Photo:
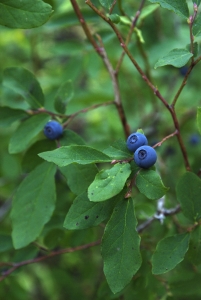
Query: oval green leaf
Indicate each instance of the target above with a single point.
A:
(188, 194)
(109, 183)
(179, 7)
(169, 252)
(26, 131)
(121, 246)
(33, 204)
(74, 154)
(23, 82)
(176, 57)
(150, 184)
(84, 213)
(24, 14)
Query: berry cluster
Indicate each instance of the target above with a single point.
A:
(53, 130)
(144, 156)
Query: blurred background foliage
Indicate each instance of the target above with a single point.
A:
(59, 51)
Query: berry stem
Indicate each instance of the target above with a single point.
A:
(166, 138)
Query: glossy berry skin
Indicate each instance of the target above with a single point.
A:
(53, 130)
(135, 140)
(145, 157)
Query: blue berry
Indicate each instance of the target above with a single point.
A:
(194, 139)
(145, 157)
(53, 130)
(135, 140)
(183, 70)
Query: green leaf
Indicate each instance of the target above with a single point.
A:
(33, 205)
(150, 184)
(147, 10)
(24, 13)
(179, 7)
(9, 116)
(84, 213)
(31, 158)
(26, 131)
(63, 96)
(75, 154)
(118, 150)
(121, 246)
(188, 194)
(199, 118)
(169, 252)
(195, 246)
(109, 183)
(69, 137)
(24, 83)
(106, 3)
(176, 57)
(79, 177)
(197, 26)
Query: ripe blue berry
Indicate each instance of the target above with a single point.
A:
(135, 140)
(145, 157)
(53, 130)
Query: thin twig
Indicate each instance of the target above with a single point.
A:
(15, 266)
(149, 83)
(112, 7)
(114, 78)
(123, 45)
(133, 24)
(165, 138)
(166, 213)
(182, 85)
(190, 22)
(72, 116)
(193, 63)
(42, 110)
(84, 26)
(101, 51)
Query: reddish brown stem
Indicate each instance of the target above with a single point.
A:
(16, 266)
(133, 24)
(149, 83)
(166, 138)
(101, 51)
